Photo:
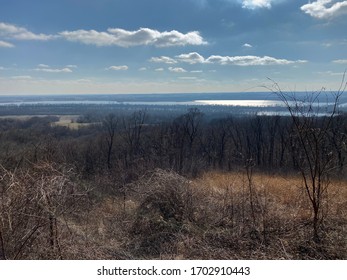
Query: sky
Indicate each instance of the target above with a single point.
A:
(170, 46)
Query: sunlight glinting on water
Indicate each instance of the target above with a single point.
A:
(243, 103)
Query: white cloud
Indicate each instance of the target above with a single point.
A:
(177, 70)
(71, 66)
(250, 60)
(43, 66)
(118, 68)
(191, 58)
(340, 61)
(159, 70)
(21, 77)
(124, 38)
(52, 70)
(4, 44)
(247, 45)
(325, 8)
(110, 37)
(163, 59)
(20, 33)
(90, 37)
(253, 4)
(143, 69)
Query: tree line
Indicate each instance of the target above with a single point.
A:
(188, 144)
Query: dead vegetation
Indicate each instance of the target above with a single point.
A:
(34, 206)
(47, 215)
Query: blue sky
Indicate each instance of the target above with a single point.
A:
(169, 46)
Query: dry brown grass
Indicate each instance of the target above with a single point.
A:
(169, 217)
(281, 227)
(217, 216)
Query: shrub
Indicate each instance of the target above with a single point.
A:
(165, 211)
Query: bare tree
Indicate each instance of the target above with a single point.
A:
(311, 134)
(191, 127)
(110, 123)
(133, 128)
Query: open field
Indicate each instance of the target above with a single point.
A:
(69, 121)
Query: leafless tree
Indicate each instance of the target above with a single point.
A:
(133, 128)
(311, 135)
(110, 123)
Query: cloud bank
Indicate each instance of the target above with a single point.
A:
(111, 37)
(248, 60)
(124, 38)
